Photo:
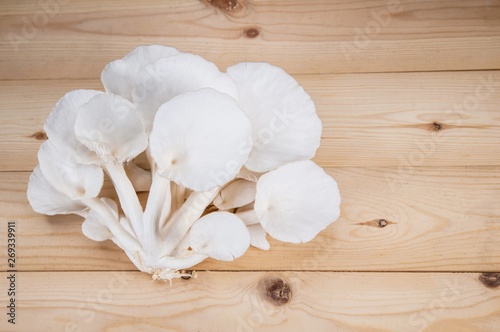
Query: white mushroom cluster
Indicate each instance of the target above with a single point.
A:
(228, 153)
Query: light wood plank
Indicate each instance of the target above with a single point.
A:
(223, 301)
(438, 219)
(78, 39)
(368, 119)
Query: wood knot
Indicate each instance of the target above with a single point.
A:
(436, 126)
(227, 6)
(276, 290)
(251, 33)
(187, 274)
(40, 135)
(490, 279)
(382, 223)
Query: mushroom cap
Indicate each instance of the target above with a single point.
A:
(286, 127)
(220, 235)
(44, 198)
(200, 139)
(110, 126)
(122, 76)
(296, 201)
(60, 123)
(236, 194)
(258, 237)
(172, 76)
(93, 228)
(77, 181)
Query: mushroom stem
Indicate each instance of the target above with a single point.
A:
(180, 192)
(107, 218)
(171, 205)
(128, 198)
(140, 178)
(249, 217)
(158, 204)
(176, 263)
(182, 248)
(152, 163)
(130, 254)
(183, 218)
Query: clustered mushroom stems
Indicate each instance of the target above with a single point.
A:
(215, 186)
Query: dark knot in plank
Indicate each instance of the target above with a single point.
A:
(276, 290)
(186, 274)
(490, 279)
(40, 135)
(382, 223)
(226, 6)
(436, 126)
(251, 33)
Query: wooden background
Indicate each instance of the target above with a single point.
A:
(409, 96)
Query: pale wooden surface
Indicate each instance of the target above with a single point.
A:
(234, 301)
(300, 36)
(411, 133)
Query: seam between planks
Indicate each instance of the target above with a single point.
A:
(256, 271)
(290, 73)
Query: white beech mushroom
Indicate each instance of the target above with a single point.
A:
(219, 235)
(46, 199)
(77, 181)
(194, 151)
(59, 126)
(286, 127)
(121, 76)
(172, 76)
(217, 143)
(110, 126)
(55, 195)
(295, 202)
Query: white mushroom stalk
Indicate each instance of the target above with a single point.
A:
(228, 156)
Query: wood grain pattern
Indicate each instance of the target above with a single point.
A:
(389, 119)
(76, 40)
(240, 301)
(409, 96)
(445, 219)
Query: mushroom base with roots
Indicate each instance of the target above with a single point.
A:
(215, 188)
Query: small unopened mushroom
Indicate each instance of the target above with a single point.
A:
(219, 235)
(296, 201)
(286, 127)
